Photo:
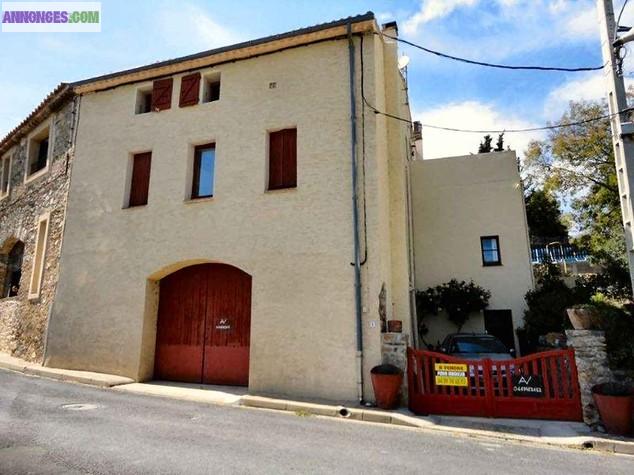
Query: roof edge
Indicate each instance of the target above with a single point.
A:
(50, 103)
(238, 51)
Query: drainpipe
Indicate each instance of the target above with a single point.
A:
(355, 218)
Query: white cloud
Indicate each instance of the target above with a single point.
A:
(190, 28)
(511, 28)
(592, 87)
(583, 24)
(470, 115)
(431, 10)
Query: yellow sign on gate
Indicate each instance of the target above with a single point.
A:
(449, 374)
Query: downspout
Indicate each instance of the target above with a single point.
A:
(355, 218)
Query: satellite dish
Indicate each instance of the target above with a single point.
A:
(403, 61)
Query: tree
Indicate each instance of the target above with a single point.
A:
(578, 162)
(485, 145)
(499, 145)
(544, 216)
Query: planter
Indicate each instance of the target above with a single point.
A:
(394, 326)
(581, 318)
(614, 402)
(386, 381)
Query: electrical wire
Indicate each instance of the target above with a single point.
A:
(492, 65)
(499, 131)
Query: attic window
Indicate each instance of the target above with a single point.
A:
(211, 88)
(143, 101)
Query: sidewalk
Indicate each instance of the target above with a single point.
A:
(553, 433)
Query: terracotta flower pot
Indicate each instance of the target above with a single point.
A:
(386, 381)
(581, 318)
(394, 326)
(615, 408)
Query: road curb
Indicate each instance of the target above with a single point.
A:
(385, 417)
(82, 377)
(598, 443)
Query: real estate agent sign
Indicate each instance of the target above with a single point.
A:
(525, 385)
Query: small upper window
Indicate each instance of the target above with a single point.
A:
(5, 170)
(144, 101)
(490, 246)
(203, 176)
(211, 89)
(38, 152)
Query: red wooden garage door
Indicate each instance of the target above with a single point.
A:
(204, 320)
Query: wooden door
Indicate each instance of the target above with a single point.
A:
(228, 323)
(203, 326)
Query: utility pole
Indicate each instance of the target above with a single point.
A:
(622, 127)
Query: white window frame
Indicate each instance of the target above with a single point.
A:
(8, 157)
(39, 258)
(51, 139)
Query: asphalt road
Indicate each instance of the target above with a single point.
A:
(127, 433)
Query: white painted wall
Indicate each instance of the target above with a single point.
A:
(296, 244)
(456, 200)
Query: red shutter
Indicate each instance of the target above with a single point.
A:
(289, 170)
(190, 89)
(140, 183)
(283, 159)
(162, 94)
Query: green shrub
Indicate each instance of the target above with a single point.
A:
(457, 299)
(547, 303)
(618, 325)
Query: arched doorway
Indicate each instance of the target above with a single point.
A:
(203, 325)
(13, 270)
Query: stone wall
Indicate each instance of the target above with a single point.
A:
(592, 365)
(23, 321)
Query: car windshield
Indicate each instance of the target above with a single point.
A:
(474, 344)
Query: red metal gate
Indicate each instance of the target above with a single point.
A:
(540, 386)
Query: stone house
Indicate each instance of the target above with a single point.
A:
(237, 216)
(35, 161)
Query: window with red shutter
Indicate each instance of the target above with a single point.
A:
(140, 181)
(283, 159)
(162, 94)
(190, 90)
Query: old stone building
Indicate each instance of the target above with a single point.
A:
(36, 159)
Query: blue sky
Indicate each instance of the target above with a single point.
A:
(545, 32)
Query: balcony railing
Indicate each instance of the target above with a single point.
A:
(566, 253)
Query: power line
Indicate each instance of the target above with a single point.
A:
(493, 65)
(499, 131)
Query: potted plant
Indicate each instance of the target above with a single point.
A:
(386, 381)
(582, 317)
(614, 402)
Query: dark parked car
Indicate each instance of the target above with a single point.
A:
(475, 346)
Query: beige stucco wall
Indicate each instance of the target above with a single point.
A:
(296, 244)
(456, 200)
